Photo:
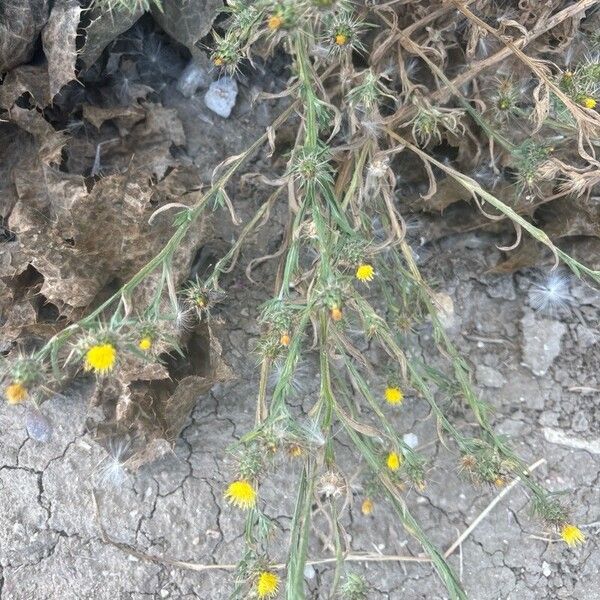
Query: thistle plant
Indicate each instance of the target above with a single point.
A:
(347, 274)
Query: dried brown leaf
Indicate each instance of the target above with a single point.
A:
(27, 79)
(124, 117)
(187, 21)
(570, 216)
(147, 138)
(20, 24)
(58, 39)
(104, 27)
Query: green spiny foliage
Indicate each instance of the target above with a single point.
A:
(347, 271)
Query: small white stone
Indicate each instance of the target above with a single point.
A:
(221, 96)
(411, 440)
(194, 76)
(546, 569)
(309, 572)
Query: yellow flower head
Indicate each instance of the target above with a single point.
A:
(218, 61)
(394, 460)
(275, 22)
(393, 395)
(341, 39)
(367, 506)
(15, 393)
(336, 313)
(588, 102)
(295, 451)
(267, 584)
(285, 339)
(240, 493)
(145, 343)
(365, 272)
(100, 358)
(572, 535)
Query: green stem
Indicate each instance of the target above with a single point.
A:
(410, 524)
(300, 534)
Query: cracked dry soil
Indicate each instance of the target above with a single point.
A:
(52, 545)
(540, 372)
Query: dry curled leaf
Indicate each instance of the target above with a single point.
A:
(27, 79)
(187, 21)
(20, 24)
(104, 27)
(58, 39)
(147, 135)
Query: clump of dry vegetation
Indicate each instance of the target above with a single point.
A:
(490, 102)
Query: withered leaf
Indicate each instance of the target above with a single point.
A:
(147, 147)
(49, 141)
(448, 191)
(124, 117)
(31, 79)
(15, 316)
(569, 216)
(15, 144)
(187, 21)
(527, 254)
(58, 39)
(80, 241)
(20, 24)
(104, 27)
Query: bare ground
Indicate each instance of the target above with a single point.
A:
(52, 545)
(540, 372)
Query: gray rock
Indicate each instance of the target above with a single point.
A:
(586, 336)
(221, 96)
(550, 418)
(580, 421)
(489, 377)
(541, 342)
(585, 294)
(499, 286)
(557, 436)
(193, 77)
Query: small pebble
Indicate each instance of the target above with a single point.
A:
(488, 376)
(38, 426)
(221, 96)
(193, 77)
(411, 440)
(309, 572)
